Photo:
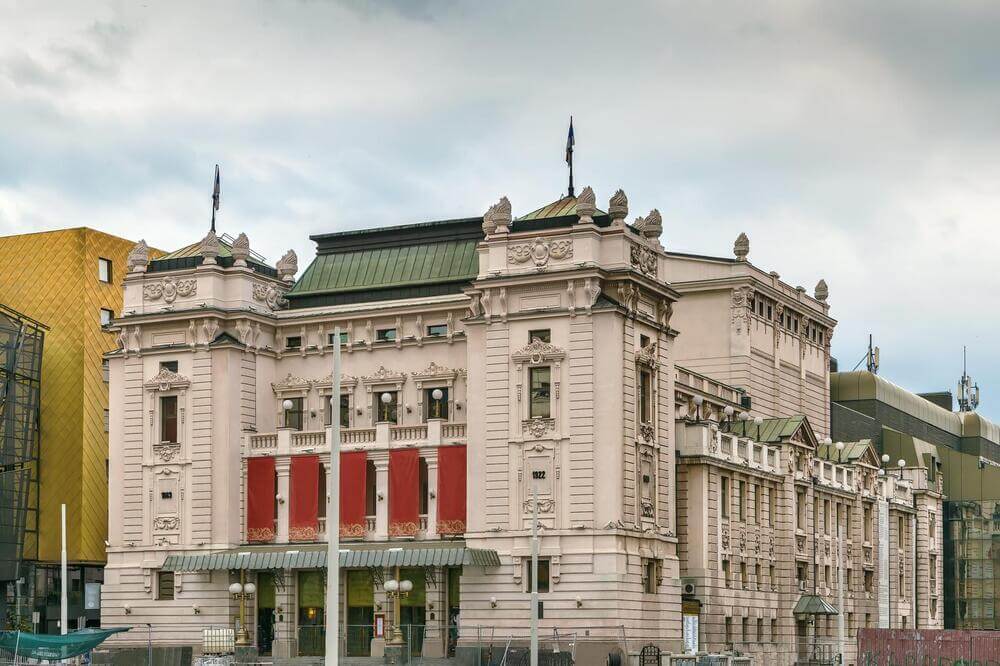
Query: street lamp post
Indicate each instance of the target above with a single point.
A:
(333, 515)
(243, 591)
(396, 589)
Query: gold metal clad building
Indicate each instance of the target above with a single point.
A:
(70, 280)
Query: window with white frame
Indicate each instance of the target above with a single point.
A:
(295, 416)
(345, 410)
(168, 419)
(104, 269)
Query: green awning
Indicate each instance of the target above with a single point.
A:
(813, 604)
(315, 558)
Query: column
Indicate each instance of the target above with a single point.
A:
(282, 467)
(381, 498)
(436, 616)
(285, 644)
(432, 485)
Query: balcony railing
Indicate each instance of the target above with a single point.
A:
(369, 528)
(383, 434)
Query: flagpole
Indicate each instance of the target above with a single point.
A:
(215, 196)
(333, 515)
(570, 142)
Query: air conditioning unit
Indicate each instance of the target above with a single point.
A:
(689, 587)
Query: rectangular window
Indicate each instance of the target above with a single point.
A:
(104, 270)
(385, 335)
(331, 339)
(848, 521)
(729, 630)
(294, 417)
(321, 492)
(760, 630)
(541, 404)
(165, 585)
(740, 495)
(756, 503)
(106, 316)
(800, 506)
(345, 411)
(424, 487)
(543, 574)
(725, 572)
(744, 576)
(387, 406)
(724, 501)
(371, 488)
(645, 396)
(774, 630)
(650, 576)
(932, 570)
(869, 581)
(106, 370)
(772, 576)
(436, 408)
(826, 516)
(868, 523)
(745, 624)
(643, 341)
(541, 334)
(756, 577)
(772, 506)
(435, 330)
(800, 572)
(293, 342)
(168, 418)
(169, 365)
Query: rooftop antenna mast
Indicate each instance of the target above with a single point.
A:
(968, 392)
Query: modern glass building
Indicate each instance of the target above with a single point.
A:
(923, 429)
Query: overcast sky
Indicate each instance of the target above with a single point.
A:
(857, 142)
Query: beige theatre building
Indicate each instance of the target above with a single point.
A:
(667, 413)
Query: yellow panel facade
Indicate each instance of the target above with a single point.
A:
(54, 277)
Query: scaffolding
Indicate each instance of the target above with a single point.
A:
(21, 341)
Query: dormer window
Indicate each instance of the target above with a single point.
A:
(385, 335)
(436, 330)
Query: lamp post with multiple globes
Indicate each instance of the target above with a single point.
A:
(243, 591)
(396, 589)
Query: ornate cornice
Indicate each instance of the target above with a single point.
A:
(165, 380)
(435, 371)
(383, 376)
(290, 382)
(538, 352)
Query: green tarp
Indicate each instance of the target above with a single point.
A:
(54, 647)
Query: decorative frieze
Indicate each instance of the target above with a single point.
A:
(169, 289)
(540, 251)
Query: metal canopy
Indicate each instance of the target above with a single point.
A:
(314, 557)
(813, 604)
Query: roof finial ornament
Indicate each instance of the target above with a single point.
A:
(209, 248)
(502, 215)
(822, 291)
(241, 250)
(618, 208)
(489, 224)
(653, 225)
(741, 248)
(138, 257)
(586, 205)
(288, 266)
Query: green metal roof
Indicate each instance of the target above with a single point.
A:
(770, 431)
(314, 557)
(561, 208)
(194, 250)
(388, 267)
(813, 604)
(852, 451)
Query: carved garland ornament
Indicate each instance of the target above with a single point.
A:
(270, 295)
(169, 289)
(166, 523)
(538, 352)
(644, 259)
(540, 251)
(538, 427)
(166, 452)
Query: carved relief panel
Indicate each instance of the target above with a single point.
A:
(538, 477)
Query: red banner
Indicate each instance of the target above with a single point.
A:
(303, 505)
(451, 490)
(404, 492)
(260, 499)
(353, 478)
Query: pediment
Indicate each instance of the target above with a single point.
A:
(167, 380)
(537, 351)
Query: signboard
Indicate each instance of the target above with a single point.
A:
(690, 633)
(92, 596)
(883, 564)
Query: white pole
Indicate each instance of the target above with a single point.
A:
(64, 600)
(534, 576)
(333, 516)
(841, 639)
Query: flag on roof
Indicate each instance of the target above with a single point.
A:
(570, 142)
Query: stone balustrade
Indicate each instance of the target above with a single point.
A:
(288, 441)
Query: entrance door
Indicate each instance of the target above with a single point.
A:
(412, 611)
(265, 612)
(312, 597)
(454, 594)
(360, 613)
